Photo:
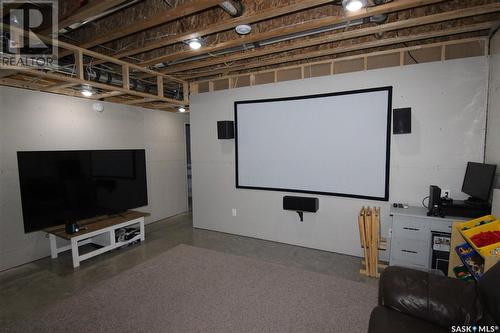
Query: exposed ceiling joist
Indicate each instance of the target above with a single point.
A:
(285, 32)
(93, 8)
(297, 28)
(429, 19)
(227, 25)
(60, 86)
(345, 49)
(164, 17)
(56, 79)
(308, 72)
(6, 73)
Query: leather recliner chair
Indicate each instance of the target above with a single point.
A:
(415, 301)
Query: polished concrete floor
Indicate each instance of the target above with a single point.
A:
(31, 287)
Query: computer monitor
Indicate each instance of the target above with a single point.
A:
(478, 181)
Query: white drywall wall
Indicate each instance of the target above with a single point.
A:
(493, 135)
(40, 121)
(448, 101)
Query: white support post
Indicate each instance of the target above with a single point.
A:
(53, 246)
(112, 237)
(74, 252)
(141, 227)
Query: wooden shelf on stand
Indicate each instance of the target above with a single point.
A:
(100, 229)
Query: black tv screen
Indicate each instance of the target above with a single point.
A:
(67, 186)
(478, 180)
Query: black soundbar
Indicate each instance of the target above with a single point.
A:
(301, 205)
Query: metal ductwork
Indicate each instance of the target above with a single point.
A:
(98, 16)
(381, 18)
(107, 76)
(232, 7)
(266, 42)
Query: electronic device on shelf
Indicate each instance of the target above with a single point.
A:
(477, 183)
(71, 228)
(435, 201)
(63, 187)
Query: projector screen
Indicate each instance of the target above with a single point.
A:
(332, 144)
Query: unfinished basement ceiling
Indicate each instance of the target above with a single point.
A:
(310, 27)
(153, 34)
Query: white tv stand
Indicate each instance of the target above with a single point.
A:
(98, 230)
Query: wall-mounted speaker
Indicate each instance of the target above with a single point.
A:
(402, 121)
(225, 129)
(301, 205)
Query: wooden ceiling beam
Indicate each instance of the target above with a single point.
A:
(93, 8)
(296, 28)
(397, 25)
(6, 73)
(345, 49)
(331, 62)
(60, 86)
(169, 15)
(230, 24)
(115, 90)
(107, 95)
(140, 101)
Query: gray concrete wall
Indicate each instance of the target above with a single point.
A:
(493, 136)
(448, 101)
(40, 121)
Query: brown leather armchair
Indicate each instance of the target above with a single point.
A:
(415, 301)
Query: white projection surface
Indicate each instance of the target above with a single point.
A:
(335, 144)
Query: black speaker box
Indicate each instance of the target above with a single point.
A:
(225, 129)
(402, 121)
(300, 204)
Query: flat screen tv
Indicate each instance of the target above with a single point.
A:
(67, 186)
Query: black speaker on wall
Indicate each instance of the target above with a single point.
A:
(402, 121)
(225, 129)
(301, 205)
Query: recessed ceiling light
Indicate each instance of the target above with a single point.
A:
(194, 44)
(87, 92)
(243, 29)
(353, 5)
(182, 109)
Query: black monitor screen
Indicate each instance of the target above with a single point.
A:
(67, 186)
(479, 180)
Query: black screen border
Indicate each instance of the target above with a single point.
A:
(348, 92)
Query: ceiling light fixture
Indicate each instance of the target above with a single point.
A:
(182, 109)
(353, 5)
(243, 29)
(194, 44)
(87, 91)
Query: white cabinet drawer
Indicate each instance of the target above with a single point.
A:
(411, 228)
(410, 251)
(396, 262)
(441, 226)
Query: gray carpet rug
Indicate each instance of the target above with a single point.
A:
(189, 289)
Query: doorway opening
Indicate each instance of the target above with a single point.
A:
(188, 166)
